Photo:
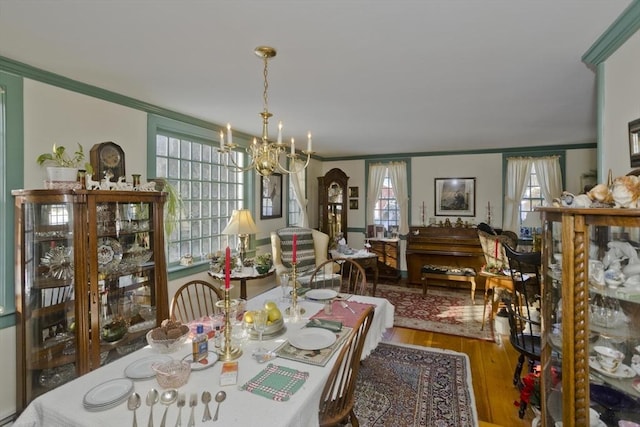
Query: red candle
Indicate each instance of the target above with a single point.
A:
(295, 248)
(227, 268)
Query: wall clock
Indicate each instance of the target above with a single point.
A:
(107, 157)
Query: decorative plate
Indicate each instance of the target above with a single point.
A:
(623, 370)
(321, 294)
(60, 262)
(109, 252)
(210, 360)
(141, 368)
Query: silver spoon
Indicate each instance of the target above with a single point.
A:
(152, 399)
(134, 403)
(167, 398)
(182, 400)
(206, 398)
(220, 396)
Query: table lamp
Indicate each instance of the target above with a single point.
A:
(241, 223)
(532, 221)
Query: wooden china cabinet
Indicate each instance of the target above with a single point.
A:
(90, 281)
(587, 305)
(332, 203)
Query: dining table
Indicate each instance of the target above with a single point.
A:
(64, 406)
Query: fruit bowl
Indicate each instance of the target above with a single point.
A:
(172, 374)
(167, 345)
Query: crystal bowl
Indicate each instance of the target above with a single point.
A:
(172, 374)
(167, 345)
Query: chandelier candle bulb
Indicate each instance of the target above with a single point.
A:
(293, 147)
(229, 137)
(280, 132)
(221, 140)
(309, 142)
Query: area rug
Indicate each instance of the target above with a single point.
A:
(442, 310)
(412, 386)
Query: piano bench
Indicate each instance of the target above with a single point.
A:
(454, 274)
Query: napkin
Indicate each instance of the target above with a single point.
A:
(332, 325)
(276, 382)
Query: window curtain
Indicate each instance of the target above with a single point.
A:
(549, 177)
(518, 171)
(377, 173)
(398, 177)
(297, 180)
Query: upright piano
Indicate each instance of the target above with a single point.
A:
(451, 246)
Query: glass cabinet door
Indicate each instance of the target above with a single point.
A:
(591, 307)
(124, 265)
(45, 299)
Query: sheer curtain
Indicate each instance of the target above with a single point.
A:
(298, 181)
(518, 171)
(549, 177)
(377, 173)
(398, 177)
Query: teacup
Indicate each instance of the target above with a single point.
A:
(608, 358)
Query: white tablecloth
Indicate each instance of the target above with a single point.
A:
(63, 405)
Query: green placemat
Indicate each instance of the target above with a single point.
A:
(313, 357)
(276, 382)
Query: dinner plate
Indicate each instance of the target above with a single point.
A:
(321, 294)
(312, 338)
(108, 394)
(623, 370)
(109, 252)
(211, 359)
(141, 368)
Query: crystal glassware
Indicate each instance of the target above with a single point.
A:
(260, 324)
(284, 284)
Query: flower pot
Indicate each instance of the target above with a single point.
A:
(262, 269)
(62, 174)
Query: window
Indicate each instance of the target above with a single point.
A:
(295, 207)
(386, 210)
(209, 190)
(532, 195)
(11, 176)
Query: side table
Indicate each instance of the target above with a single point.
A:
(493, 281)
(243, 276)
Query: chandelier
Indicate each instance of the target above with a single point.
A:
(265, 154)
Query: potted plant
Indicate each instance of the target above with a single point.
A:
(263, 263)
(64, 167)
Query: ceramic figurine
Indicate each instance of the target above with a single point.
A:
(625, 191)
(570, 200)
(600, 193)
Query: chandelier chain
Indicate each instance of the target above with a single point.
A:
(266, 86)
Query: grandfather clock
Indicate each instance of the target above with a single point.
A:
(332, 203)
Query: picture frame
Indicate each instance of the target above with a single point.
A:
(455, 196)
(271, 196)
(354, 192)
(353, 204)
(634, 143)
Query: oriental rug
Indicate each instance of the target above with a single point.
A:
(413, 386)
(442, 310)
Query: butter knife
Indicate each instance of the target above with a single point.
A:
(345, 305)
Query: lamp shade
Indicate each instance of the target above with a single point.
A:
(532, 220)
(241, 222)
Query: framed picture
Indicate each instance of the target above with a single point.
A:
(271, 196)
(455, 196)
(353, 204)
(634, 143)
(353, 192)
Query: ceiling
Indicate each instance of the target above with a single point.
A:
(365, 77)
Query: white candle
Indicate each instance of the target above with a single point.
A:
(293, 147)
(280, 132)
(309, 141)
(221, 140)
(255, 142)
(229, 137)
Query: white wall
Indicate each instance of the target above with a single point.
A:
(621, 105)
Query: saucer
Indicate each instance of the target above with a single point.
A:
(623, 370)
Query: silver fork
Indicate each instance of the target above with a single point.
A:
(181, 403)
(345, 305)
(193, 401)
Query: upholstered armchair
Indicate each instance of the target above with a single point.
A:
(320, 250)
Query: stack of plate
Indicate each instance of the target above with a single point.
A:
(108, 394)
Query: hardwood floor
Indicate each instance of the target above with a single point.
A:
(492, 366)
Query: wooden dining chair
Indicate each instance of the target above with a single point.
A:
(338, 397)
(341, 274)
(194, 300)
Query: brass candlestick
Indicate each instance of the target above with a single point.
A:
(228, 352)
